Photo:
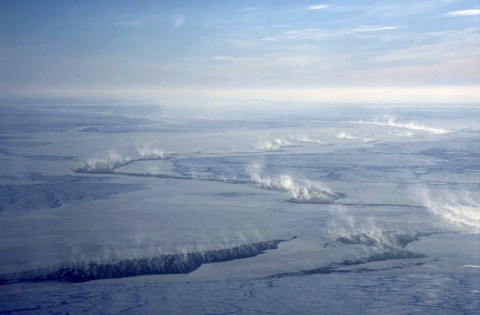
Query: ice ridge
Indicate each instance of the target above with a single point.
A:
(164, 264)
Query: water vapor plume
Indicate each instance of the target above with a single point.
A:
(301, 191)
(308, 140)
(381, 239)
(460, 209)
(392, 122)
(147, 153)
(114, 161)
(347, 136)
(348, 229)
(163, 264)
(402, 134)
(273, 146)
(104, 166)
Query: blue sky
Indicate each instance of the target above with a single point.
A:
(228, 52)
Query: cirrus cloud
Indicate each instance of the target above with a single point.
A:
(464, 12)
(318, 7)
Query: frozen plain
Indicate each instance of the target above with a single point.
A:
(331, 211)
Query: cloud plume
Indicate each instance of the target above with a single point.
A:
(392, 122)
(273, 146)
(300, 190)
(460, 209)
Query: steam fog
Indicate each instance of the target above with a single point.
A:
(329, 197)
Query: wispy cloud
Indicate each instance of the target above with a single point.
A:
(243, 43)
(439, 47)
(319, 34)
(248, 9)
(370, 28)
(318, 7)
(311, 33)
(223, 58)
(130, 23)
(464, 12)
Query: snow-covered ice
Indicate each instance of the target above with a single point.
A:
(333, 212)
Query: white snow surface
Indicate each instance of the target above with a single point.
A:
(382, 223)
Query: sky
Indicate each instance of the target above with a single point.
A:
(239, 52)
